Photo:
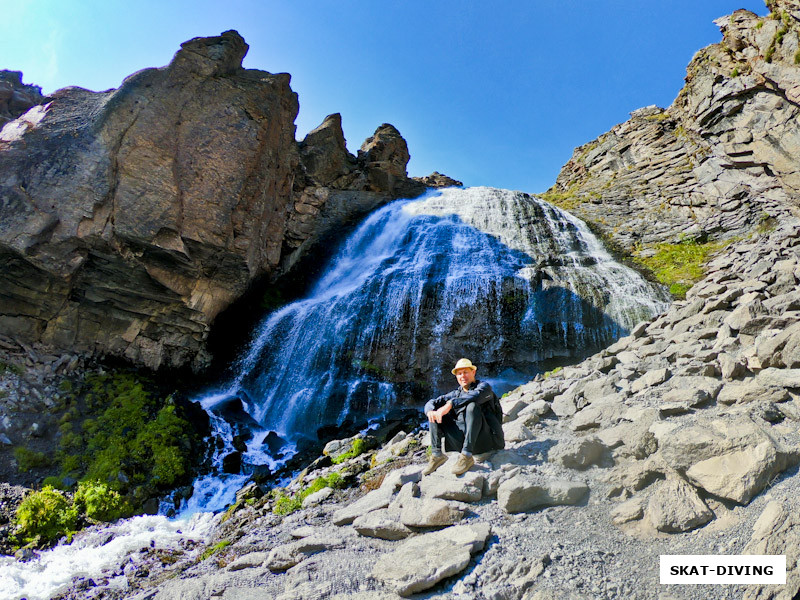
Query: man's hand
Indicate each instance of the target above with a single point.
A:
(435, 416)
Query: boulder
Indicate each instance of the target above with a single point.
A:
(674, 506)
(777, 532)
(419, 563)
(466, 488)
(578, 453)
(750, 390)
(630, 510)
(399, 477)
(383, 523)
(374, 500)
(523, 493)
(650, 379)
(249, 561)
(286, 556)
(738, 475)
(431, 512)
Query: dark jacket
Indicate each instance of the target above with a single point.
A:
(480, 393)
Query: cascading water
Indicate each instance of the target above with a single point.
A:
(498, 276)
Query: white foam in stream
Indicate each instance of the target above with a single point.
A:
(88, 556)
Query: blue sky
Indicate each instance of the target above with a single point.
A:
(491, 93)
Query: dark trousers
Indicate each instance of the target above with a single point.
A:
(461, 432)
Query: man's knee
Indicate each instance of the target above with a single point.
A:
(472, 411)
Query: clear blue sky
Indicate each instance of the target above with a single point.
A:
(491, 93)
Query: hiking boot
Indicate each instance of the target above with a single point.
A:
(434, 462)
(463, 464)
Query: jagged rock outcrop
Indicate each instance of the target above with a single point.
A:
(716, 163)
(131, 218)
(16, 97)
(437, 180)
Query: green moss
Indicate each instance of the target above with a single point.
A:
(45, 516)
(662, 116)
(212, 550)
(286, 504)
(681, 265)
(735, 72)
(131, 432)
(553, 372)
(28, 459)
(357, 448)
(99, 502)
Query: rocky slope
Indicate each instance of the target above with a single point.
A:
(131, 218)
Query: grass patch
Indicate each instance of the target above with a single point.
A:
(680, 266)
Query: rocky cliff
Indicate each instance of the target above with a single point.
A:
(131, 218)
(717, 162)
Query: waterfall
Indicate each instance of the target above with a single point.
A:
(498, 276)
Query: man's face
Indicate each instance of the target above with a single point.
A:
(465, 376)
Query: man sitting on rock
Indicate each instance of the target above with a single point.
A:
(468, 418)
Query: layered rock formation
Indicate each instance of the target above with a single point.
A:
(132, 217)
(720, 160)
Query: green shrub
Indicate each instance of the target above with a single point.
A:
(99, 502)
(45, 516)
(28, 459)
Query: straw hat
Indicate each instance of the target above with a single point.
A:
(463, 363)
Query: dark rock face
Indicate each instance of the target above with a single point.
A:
(131, 218)
(16, 97)
(715, 163)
